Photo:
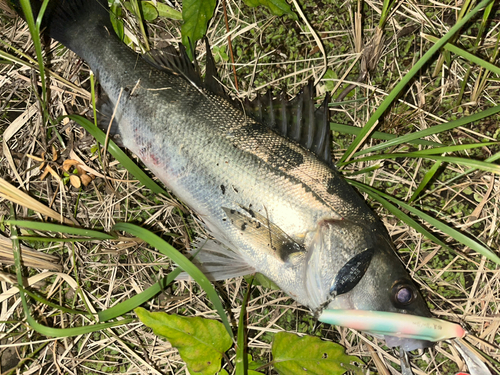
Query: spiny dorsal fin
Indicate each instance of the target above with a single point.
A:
(178, 62)
(297, 119)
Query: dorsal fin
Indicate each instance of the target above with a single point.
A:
(177, 61)
(297, 119)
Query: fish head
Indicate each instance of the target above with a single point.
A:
(352, 265)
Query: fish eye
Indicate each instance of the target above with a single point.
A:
(403, 293)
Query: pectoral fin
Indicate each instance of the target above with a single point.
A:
(265, 235)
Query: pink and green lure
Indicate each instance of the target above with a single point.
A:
(394, 324)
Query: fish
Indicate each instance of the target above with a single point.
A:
(259, 174)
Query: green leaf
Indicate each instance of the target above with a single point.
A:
(115, 13)
(277, 7)
(165, 11)
(201, 342)
(295, 355)
(429, 175)
(436, 129)
(149, 11)
(196, 14)
(330, 75)
(260, 279)
(482, 165)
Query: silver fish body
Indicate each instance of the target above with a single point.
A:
(276, 205)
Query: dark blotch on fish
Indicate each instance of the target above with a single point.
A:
(254, 129)
(331, 186)
(285, 157)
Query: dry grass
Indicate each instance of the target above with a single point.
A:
(461, 287)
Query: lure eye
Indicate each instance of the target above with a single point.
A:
(403, 293)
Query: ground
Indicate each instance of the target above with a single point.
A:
(270, 52)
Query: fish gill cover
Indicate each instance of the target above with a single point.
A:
(143, 208)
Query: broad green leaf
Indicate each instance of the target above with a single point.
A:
(277, 7)
(151, 11)
(253, 365)
(196, 15)
(201, 342)
(294, 355)
(115, 13)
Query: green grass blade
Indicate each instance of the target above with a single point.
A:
(491, 159)
(76, 331)
(139, 299)
(50, 227)
(56, 239)
(354, 130)
(45, 301)
(458, 236)
(427, 178)
(181, 261)
(466, 55)
(377, 195)
(35, 36)
(40, 328)
(482, 165)
(372, 122)
(432, 130)
(118, 154)
(455, 148)
(241, 349)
